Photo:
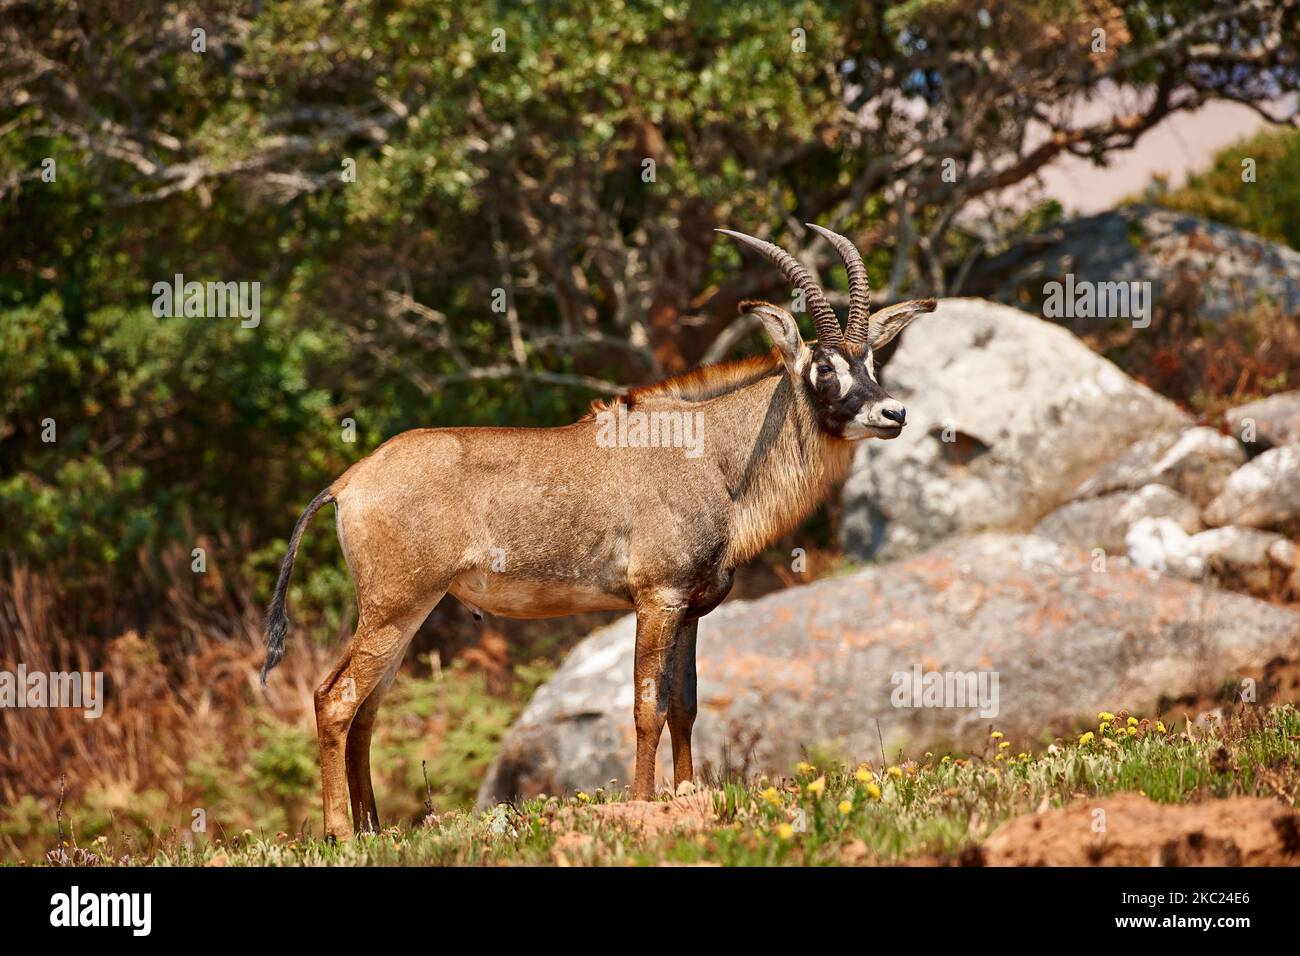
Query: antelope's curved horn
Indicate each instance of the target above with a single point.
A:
(856, 328)
(828, 326)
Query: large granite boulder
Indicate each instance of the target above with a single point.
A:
(814, 667)
(1224, 270)
(1007, 415)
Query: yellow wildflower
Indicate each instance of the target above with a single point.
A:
(1105, 715)
(1105, 726)
(1086, 738)
(785, 831)
(873, 791)
(846, 807)
(582, 797)
(996, 735)
(1004, 745)
(1132, 731)
(863, 775)
(1160, 727)
(896, 773)
(1132, 721)
(946, 759)
(804, 767)
(817, 786)
(771, 797)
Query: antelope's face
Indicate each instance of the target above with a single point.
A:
(839, 368)
(848, 400)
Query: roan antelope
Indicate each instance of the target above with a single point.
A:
(540, 522)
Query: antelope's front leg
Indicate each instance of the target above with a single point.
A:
(682, 703)
(656, 634)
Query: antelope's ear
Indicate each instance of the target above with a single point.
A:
(784, 332)
(887, 323)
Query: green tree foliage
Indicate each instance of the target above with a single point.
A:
(391, 171)
(1254, 185)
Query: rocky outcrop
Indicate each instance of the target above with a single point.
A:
(1268, 423)
(1104, 522)
(1196, 463)
(1042, 434)
(1247, 559)
(1212, 270)
(1047, 635)
(1132, 468)
(1007, 415)
(1244, 559)
(1263, 493)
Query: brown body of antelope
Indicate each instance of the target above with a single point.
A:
(541, 522)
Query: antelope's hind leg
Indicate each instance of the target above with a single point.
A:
(365, 814)
(364, 671)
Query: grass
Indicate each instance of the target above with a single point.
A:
(214, 744)
(929, 810)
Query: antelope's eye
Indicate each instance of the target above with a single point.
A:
(824, 369)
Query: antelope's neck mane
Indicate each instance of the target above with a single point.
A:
(698, 385)
(780, 469)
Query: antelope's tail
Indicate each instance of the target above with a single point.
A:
(277, 616)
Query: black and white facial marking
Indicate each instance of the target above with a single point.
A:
(850, 402)
(847, 399)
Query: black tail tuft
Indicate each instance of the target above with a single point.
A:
(277, 616)
(277, 626)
